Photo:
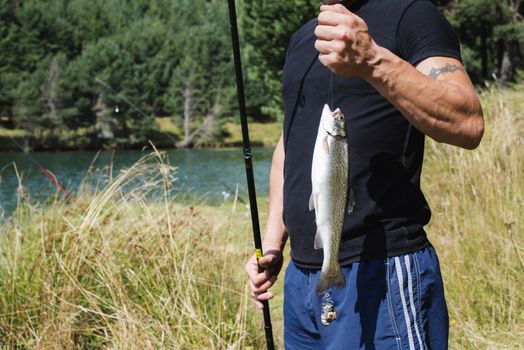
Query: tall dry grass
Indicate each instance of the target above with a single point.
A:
(121, 271)
(477, 198)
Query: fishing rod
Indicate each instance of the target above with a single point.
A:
(248, 155)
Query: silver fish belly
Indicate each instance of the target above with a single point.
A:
(329, 180)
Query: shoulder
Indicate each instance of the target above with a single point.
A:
(303, 34)
(382, 7)
(424, 31)
(377, 9)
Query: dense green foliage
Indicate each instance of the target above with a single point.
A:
(492, 33)
(76, 73)
(100, 70)
(269, 26)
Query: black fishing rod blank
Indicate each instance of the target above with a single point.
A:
(248, 155)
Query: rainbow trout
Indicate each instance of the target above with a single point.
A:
(329, 180)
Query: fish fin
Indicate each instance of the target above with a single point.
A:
(325, 144)
(351, 201)
(335, 279)
(318, 241)
(311, 202)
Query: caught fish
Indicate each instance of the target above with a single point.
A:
(329, 196)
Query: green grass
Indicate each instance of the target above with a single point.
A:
(166, 125)
(13, 133)
(477, 200)
(122, 272)
(118, 271)
(261, 134)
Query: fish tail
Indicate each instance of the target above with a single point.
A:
(333, 279)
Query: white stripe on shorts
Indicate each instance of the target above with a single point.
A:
(412, 303)
(400, 278)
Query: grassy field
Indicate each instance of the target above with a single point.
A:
(119, 271)
(477, 200)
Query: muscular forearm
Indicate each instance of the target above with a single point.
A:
(275, 235)
(444, 110)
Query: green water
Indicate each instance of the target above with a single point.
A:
(202, 175)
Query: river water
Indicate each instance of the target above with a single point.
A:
(203, 175)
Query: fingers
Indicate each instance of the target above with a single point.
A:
(336, 26)
(258, 299)
(323, 32)
(328, 47)
(260, 282)
(329, 60)
(330, 18)
(261, 293)
(338, 15)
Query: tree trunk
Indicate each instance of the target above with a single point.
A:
(509, 61)
(103, 130)
(187, 93)
(484, 51)
(205, 130)
(508, 66)
(49, 91)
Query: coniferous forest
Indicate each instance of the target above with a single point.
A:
(99, 73)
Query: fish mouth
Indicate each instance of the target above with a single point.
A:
(336, 133)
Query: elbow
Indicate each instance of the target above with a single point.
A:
(476, 129)
(470, 128)
(473, 130)
(463, 125)
(465, 134)
(477, 137)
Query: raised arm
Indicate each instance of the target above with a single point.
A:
(436, 96)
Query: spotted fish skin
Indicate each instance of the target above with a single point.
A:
(329, 182)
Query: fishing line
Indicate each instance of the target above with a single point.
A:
(331, 90)
(130, 103)
(50, 174)
(46, 172)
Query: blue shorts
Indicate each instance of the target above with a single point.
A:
(394, 303)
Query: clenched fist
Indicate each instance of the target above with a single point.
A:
(260, 282)
(344, 43)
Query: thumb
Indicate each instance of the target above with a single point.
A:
(270, 258)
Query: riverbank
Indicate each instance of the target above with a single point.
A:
(164, 136)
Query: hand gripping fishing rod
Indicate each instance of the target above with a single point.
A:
(248, 155)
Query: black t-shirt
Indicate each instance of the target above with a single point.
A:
(385, 150)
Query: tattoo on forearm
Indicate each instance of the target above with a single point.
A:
(448, 68)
